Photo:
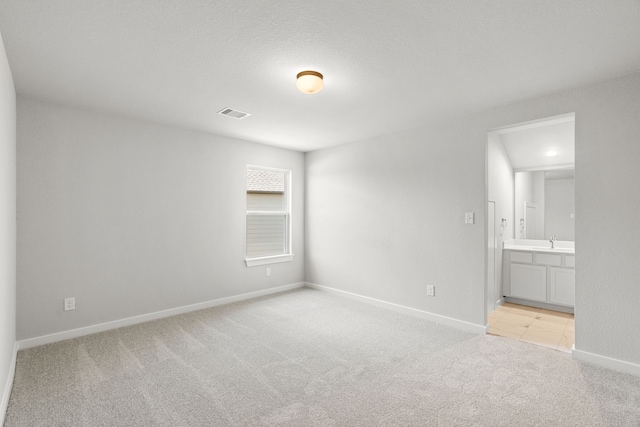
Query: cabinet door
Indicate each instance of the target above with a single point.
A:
(529, 282)
(563, 286)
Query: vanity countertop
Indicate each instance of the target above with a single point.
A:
(561, 247)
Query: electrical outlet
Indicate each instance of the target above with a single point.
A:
(268, 271)
(431, 290)
(69, 304)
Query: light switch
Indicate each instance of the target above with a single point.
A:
(469, 218)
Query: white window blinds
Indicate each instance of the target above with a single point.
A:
(267, 212)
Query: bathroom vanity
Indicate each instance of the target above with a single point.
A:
(534, 273)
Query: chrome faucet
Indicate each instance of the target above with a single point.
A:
(552, 240)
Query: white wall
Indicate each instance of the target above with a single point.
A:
(607, 234)
(7, 226)
(385, 216)
(560, 202)
(132, 218)
(500, 185)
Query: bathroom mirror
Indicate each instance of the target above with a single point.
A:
(545, 204)
(541, 155)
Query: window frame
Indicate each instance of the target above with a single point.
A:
(288, 253)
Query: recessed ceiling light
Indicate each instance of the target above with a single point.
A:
(309, 82)
(551, 153)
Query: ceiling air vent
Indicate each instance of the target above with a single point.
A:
(230, 112)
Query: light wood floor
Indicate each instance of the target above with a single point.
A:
(547, 328)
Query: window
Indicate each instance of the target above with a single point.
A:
(268, 216)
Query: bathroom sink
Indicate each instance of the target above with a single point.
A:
(544, 248)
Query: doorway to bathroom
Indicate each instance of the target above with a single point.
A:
(530, 240)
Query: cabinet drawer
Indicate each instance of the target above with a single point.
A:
(570, 261)
(549, 259)
(526, 257)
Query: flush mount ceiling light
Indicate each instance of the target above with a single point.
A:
(551, 153)
(309, 82)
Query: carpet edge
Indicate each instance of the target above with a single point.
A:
(443, 320)
(606, 362)
(128, 321)
(8, 387)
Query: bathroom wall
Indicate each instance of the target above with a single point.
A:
(500, 185)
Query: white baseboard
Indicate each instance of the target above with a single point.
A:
(448, 321)
(88, 330)
(606, 362)
(4, 403)
(545, 305)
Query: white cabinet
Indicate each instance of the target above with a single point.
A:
(562, 286)
(524, 257)
(529, 282)
(546, 278)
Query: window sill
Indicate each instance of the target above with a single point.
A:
(252, 262)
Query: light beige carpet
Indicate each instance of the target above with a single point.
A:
(308, 358)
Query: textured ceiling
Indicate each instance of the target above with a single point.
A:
(387, 65)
